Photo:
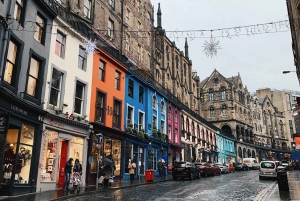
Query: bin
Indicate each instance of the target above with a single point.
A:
(282, 179)
(149, 176)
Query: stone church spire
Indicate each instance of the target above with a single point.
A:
(159, 17)
(186, 48)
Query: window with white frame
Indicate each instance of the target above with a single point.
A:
(162, 107)
(129, 115)
(79, 97)
(127, 41)
(154, 122)
(141, 121)
(60, 44)
(127, 16)
(154, 105)
(81, 58)
(162, 125)
(170, 132)
(211, 94)
(223, 93)
(56, 84)
(87, 8)
(110, 31)
(152, 160)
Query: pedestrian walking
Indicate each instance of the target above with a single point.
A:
(77, 167)
(160, 168)
(163, 170)
(68, 170)
(131, 167)
(107, 172)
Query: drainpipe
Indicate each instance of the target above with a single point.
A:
(122, 24)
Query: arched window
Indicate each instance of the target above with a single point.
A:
(154, 102)
(211, 94)
(198, 131)
(224, 110)
(193, 129)
(162, 107)
(223, 93)
(202, 134)
(187, 125)
(212, 111)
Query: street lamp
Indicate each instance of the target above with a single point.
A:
(287, 71)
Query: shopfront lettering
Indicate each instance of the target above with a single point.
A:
(20, 110)
(4, 119)
(53, 123)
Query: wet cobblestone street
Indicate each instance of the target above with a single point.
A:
(234, 186)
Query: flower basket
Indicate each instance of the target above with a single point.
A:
(129, 130)
(146, 136)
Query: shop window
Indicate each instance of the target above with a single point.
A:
(152, 159)
(49, 156)
(97, 149)
(128, 155)
(21, 157)
(112, 150)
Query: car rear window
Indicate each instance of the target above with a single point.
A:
(267, 165)
(179, 165)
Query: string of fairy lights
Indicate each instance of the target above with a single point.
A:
(210, 46)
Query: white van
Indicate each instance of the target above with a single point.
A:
(249, 162)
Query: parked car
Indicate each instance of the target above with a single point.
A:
(205, 169)
(224, 168)
(241, 166)
(231, 168)
(185, 170)
(267, 169)
(255, 166)
(216, 169)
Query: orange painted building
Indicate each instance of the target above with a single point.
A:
(106, 114)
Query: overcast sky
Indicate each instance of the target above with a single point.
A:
(260, 58)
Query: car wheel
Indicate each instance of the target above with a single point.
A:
(261, 178)
(213, 174)
(191, 176)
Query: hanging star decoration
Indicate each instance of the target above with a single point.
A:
(211, 47)
(90, 46)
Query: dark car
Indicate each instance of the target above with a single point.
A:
(205, 169)
(185, 170)
(216, 169)
(241, 166)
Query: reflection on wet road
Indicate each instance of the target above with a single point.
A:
(234, 186)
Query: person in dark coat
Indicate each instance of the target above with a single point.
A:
(107, 172)
(77, 167)
(68, 170)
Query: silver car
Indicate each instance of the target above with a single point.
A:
(224, 168)
(267, 169)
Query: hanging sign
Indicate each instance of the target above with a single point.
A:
(4, 119)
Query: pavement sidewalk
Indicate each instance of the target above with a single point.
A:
(59, 194)
(272, 193)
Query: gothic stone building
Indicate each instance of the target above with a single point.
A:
(225, 102)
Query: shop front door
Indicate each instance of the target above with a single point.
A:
(62, 163)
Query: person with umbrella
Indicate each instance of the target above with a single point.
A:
(107, 172)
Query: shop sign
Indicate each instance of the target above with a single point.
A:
(4, 119)
(19, 110)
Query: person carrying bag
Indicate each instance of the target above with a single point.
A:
(131, 167)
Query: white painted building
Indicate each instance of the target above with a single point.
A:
(67, 99)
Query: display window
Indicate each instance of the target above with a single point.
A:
(18, 152)
(76, 148)
(97, 150)
(152, 159)
(49, 156)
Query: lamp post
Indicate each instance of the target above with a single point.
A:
(287, 71)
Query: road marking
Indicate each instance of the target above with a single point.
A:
(262, 193)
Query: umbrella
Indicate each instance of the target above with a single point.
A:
(107, 161)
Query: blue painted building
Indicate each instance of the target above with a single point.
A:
(144, 123)
(226, 149)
